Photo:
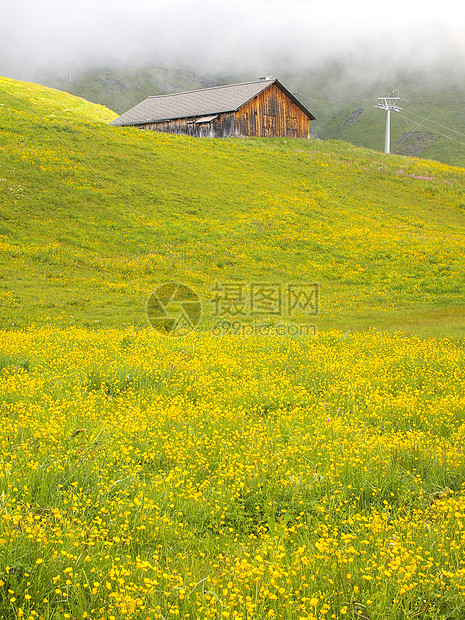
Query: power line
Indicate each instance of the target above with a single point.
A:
(432, 130)
(438, 124)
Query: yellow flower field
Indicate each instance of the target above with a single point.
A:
(226, 477)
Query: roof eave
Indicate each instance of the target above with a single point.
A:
(270, 83)
(295, 100)
(166, 120)
(287, 93)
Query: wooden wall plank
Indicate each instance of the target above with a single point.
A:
(221, 127)
(272, 113)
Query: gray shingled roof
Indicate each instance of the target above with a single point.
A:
(193, 103)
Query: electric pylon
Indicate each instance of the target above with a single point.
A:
(388, 103)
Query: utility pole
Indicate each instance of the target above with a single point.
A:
(70, 63)
(388, 103)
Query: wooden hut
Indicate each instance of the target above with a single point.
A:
(260, 108)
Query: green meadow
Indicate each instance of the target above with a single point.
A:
(219, 476)
(94, 217)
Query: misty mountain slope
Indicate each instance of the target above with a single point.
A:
(121, 90)
(431, 124)
(431, 127)
(93, 217)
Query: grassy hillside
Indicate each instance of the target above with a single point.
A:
(341, 98)
(267, 477)
(94, 217)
